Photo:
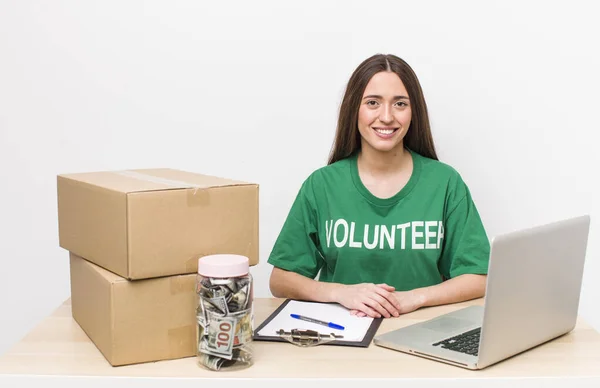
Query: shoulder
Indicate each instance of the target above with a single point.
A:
(329, 173)
(437, 170)
(324, 180)
(441, 176)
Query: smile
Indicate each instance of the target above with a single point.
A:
(385, 132)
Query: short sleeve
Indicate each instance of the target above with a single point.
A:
(466, 245)
(296, 247)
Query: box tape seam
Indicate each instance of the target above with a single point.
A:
(197, 197)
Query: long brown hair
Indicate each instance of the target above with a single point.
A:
(347, 138)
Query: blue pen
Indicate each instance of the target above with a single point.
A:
(307, 319)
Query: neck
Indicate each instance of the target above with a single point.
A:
(383, 163)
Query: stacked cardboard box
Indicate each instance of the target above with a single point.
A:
(134, 239)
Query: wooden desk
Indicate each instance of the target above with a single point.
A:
(58, 351)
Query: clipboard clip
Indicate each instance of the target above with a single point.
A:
(306, 338)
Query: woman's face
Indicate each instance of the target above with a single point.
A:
(384, 114)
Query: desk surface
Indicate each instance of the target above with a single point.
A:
(59, 347)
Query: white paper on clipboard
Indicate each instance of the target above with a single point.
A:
(355, 328)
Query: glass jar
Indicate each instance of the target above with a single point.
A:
(225, 312)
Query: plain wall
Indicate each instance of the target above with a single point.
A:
(250, 90)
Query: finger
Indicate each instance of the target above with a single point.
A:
(376, 302)
(360, 314)
(382, 297)
(391, 298)
(353, 312)
(369, 311)
(386, 287)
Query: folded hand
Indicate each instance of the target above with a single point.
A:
(406, 302)
(373, 300)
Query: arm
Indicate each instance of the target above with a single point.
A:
(288, 284)
(370, 299)
(458, 289)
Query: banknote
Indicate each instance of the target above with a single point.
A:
(211, 362)
(220, 332)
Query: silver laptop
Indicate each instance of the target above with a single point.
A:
(532, 296)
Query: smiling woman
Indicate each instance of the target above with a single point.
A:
(386, 115)
(386, 226)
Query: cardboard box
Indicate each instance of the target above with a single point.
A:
(134, 321)
(148, 223)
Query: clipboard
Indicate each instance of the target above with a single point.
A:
(354, 326)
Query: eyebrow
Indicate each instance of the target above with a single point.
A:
(379, 97)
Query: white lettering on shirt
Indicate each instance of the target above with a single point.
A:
(373, 244)
(403, 227)
(423, 235)
(440, 234)
(416, 234)
(429, 234)
(337, 242)
(328, 230)
(353, 244)
(389, 235)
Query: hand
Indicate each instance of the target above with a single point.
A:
(407, 301)
(374, 300)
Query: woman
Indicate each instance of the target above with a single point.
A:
(389, 227)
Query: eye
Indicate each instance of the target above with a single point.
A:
(372, 103)
(401, 104)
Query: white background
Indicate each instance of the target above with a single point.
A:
(250, 90)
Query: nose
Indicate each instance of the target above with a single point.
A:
(386, 115)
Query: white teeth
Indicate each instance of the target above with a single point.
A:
(385, 131)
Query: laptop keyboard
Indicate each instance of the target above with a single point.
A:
(467, 342)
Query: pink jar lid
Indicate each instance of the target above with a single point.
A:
(223, 265)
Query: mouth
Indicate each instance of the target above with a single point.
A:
(385, 132)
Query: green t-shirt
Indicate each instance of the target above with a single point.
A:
(429, 231)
